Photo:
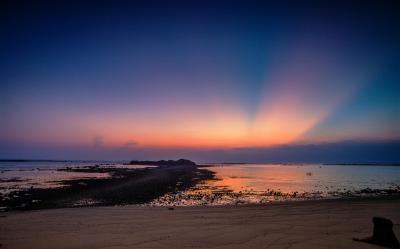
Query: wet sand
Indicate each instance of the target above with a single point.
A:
(309, 224)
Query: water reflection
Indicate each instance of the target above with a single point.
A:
(19, 175)
(12, 180)
(303, 178)
(250, 183)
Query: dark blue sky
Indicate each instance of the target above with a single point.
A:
(172, 78)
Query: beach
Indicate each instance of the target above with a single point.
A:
(199, 124)
(23, 187)
(305, 224)
(125, 184)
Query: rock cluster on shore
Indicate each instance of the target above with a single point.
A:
(124, 186)
(180, 162)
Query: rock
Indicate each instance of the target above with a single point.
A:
(383, 234)
(180, 162)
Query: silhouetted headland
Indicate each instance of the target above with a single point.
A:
(180, 162)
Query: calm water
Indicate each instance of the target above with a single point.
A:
(44, 174)
(250, 183)
(243, 183)
(304, 178)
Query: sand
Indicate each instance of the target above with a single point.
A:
(312, 224)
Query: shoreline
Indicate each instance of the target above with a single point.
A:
(306, 224)
(171, 183)
(288, 202)
(124, 186)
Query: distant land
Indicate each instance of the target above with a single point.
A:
(365, 164)
(58, 160)
(187, 162)
(180, 162)
(34, 160)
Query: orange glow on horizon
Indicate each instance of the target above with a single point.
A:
(292, 103)
(280, 119)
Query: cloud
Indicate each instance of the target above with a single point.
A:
(337, 152)
(131, 143)
(334, 152)
(128, 146)
(98, 141)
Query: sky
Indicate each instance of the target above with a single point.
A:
(248, 81)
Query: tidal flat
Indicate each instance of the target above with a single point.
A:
(173, 183)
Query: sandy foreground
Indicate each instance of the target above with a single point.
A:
(313, 224)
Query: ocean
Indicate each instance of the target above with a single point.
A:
(246, 183)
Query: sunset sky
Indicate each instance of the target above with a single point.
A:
(215, 81)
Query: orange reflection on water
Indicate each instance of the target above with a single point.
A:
(259, 178)
(301, 178)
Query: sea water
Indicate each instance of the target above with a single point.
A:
(19, 175)
(261, 183)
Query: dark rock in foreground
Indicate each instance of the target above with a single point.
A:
(383, 234)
